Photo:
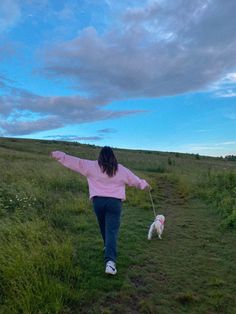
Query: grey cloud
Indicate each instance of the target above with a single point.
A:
(164, 13)
(10, 14)
(68, 12)
(2, 82)
(27, 127)
(6, 83)
(216, 25)
(161, 49)
(141, 14)
(7, 49)
(75, 138)
(18, 107)
(70, 108)
(5, 106)
(107, 130)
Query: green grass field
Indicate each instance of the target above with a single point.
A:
(51, 252)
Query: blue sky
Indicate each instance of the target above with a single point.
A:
(157, 75)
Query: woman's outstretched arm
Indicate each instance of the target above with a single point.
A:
(71, 162)
(133, 180)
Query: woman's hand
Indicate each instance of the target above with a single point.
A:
(57, 154)
(148, 187)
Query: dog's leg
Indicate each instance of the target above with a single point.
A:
(160, 231)
(151, 231)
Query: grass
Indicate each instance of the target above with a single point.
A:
(51, 257)
(219, 190)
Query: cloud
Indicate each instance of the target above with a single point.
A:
(107, 130)
(159, 49)
(226, 94)
(230, 77)
(225, 87)
(24, 112)
(5, 82)
(68, 12)
(210, 149)
(231, 116)
(74, 138)
(154, 49)
(203, 130)
(2, 82)
(211, 146)
(7, 49)
(10, 14)
(27, 127)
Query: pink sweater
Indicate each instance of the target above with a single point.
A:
(100, 184)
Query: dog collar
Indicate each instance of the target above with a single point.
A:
(161, 221)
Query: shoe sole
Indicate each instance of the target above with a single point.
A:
(108, 273)
(112, 272)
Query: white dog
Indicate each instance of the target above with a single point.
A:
(157, 225)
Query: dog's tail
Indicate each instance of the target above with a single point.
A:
(150, 231)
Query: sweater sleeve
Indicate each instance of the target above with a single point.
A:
(132, 180)
(74, 163)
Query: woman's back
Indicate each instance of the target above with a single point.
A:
(100, 184)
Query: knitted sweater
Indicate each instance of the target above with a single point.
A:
(100, 184)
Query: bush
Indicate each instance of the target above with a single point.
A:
(230, 157)
(220, 191)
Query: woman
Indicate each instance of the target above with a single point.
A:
(106, 179)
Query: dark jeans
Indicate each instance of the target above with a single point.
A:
(108, 212)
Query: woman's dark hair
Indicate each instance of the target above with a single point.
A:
(107, 161)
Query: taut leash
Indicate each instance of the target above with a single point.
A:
(154, 211)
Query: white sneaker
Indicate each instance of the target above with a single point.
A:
(110, 268)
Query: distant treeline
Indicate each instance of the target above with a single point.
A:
(231, 157)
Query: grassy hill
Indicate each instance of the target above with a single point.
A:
(51, 257)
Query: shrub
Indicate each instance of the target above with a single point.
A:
(220, 191)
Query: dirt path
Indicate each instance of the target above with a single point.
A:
(189, 271)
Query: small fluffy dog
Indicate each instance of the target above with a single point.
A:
(157, 225)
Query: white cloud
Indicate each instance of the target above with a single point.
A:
(231, 77)
(231, 116)
(212, 145)
(210, 149)
(226, 86)
(226, 94)
(203, 130)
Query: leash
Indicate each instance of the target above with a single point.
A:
(153, 207)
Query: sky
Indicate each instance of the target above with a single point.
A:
(154, 75)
